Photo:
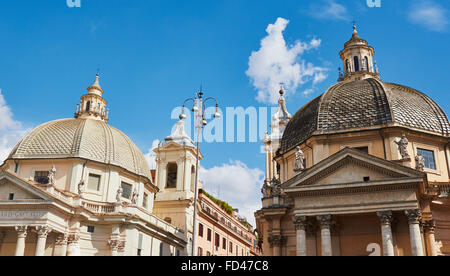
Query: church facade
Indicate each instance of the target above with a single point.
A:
(79, 186)
(361, 170)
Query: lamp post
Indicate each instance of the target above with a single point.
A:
(199, 109)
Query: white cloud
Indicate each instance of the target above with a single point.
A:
(276, 62)
(11, 131)
(151, 155)
(239, 186)
(429, 15)
(329, 10)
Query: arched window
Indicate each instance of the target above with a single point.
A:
(367, 64)
(347, 66)
(88, 106)
(356, 64)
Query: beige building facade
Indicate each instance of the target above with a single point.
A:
(79, 186)
(361, 170)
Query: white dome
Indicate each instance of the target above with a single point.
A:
(82, 138)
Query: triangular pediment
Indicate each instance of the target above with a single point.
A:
(22, 190)
(352, 166)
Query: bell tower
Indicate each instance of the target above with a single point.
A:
(175, 177)
(357, 59)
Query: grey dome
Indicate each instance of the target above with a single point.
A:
(82, 138)
(364, 104)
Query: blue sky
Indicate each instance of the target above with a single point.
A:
(154, 54)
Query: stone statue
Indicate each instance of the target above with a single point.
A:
(51, 176)
(403, 147)
(276, 187)
(265, 190)
(299, 160)
(135, 197)
(81, 187)
(420, 162)
(119, 195)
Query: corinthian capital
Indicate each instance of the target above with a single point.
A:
(385, 217)
(429, 226)
(43, 231)
(325, 221)
(413, 216)
(299, 222)
(22, 231)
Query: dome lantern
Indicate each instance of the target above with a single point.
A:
(357, 59)
(92, 105)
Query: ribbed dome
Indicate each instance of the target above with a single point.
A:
(364, 104)
(82, 138)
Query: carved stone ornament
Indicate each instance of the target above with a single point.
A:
(134, 198)
(276, 240)
(81, 187)
(73, 238)
(114, 244)
(265, 190)
(43, 231)
(22, 231)
(413, 216)
(276, 187)
(119, 195)
(300, 222)
(324, 221)
(62, 239)
(385, 217)
(420, 162)
(429, 226)
(52, 176)
(403, 147)
(299, 160)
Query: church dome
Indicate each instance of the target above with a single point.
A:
(89, 139)
(364, 104)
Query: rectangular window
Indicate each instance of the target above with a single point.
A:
(231, 247)
(94, 182)
(224, 243)
(209, 235)
(428, 155)
(172, 169)
(217, 240)
(200, 251)
(126, 190)
(200, 230)
(90, 229)
(208, 253)
(363, 149)
(41, 177)
(145, 201)
(11, 196)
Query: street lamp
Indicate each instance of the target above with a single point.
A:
(198, 107)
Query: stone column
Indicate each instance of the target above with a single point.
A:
(61, 244)
(114, 245)
(21, 235)
(73, 246)
(414, 232)
(325, 226)
(2, 236)
(386, 232)
(276, 242)
(300, 226)
(42, 232)
(429, 227)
